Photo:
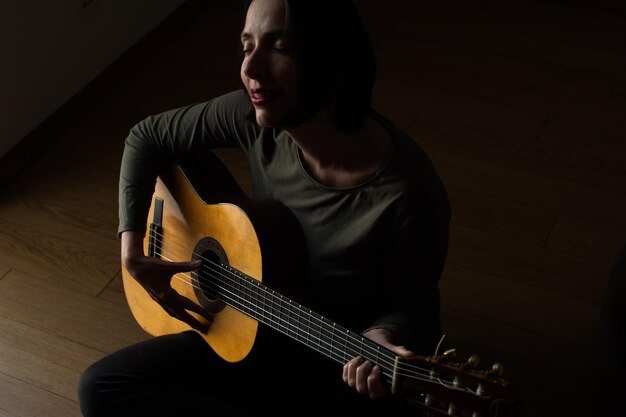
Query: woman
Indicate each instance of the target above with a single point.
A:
(372, 209)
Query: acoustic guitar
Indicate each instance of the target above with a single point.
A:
(199, 212)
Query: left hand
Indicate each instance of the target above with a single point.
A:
(364, 376)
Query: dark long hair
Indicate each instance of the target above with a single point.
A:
(336, 60)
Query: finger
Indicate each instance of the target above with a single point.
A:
(191, 306)
(352, 367)
(179, 313)
(172, 303)
(401, 351)
(375, 386)
(184, 266)
(184, 316)
(362, 376)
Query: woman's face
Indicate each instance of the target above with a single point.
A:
(269, 68)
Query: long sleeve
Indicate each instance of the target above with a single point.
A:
(175, 135)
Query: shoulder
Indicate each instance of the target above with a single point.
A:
(423, 189)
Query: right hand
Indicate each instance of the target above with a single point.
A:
(155, 276)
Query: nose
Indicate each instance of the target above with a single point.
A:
(254, 65)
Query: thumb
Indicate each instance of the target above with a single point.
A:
(184, 266)
(401, 351)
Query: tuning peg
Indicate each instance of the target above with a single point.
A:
(497, 369)
(448, 354)
(473, 361)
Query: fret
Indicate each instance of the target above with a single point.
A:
(323, 335)
(319, 333)
(329, 337)
(280, 325)
(235, 285)
(254, 300)
(352, 350)
(377, 361)
(287, 307)
(290, 325)
(308, 330)
(249, 300)
(271, 309)
(332, 341)
(298, 325)
(245, 304)
(281, 315)
(243, 289)
(320, 337)
(225, 288)
(261, 302)
(315, 330)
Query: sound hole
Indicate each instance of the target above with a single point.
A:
(207, 280)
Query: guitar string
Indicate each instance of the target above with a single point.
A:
(315, 324)
(401, 370)
(313, 321)
(424, 375)
(388, 377)
(357, 340)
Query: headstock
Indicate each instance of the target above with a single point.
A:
(442, 386)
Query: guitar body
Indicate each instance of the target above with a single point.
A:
(199, 211)
(243, 233)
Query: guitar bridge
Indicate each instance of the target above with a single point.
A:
(155, 233)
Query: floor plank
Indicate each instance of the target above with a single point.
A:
(73, 180)
(493, 146)
(518, 221)
(97, 324)
(548, 269)
(43, 359)
(114, 292)
(586, 238)
(553, 380)
(48, 240)
(522, 306)
(20, 399)
(520, 185)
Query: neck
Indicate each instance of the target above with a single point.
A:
(340, 159)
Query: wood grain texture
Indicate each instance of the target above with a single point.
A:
(42, 358)
(519, 104)
(74, 315)
(49, 239)
(21, 399)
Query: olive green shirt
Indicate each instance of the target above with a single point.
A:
(375, 251)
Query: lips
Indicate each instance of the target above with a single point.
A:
(262, 96)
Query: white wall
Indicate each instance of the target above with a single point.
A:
(50, 49)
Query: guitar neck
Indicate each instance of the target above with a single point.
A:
(260, 302)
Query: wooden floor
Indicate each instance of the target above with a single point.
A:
(521, 106)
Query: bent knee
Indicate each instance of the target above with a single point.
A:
(94, 397)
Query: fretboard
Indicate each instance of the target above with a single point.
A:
(267, 306)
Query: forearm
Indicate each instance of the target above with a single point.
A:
(131, 246)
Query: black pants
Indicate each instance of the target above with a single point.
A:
(179, 375)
